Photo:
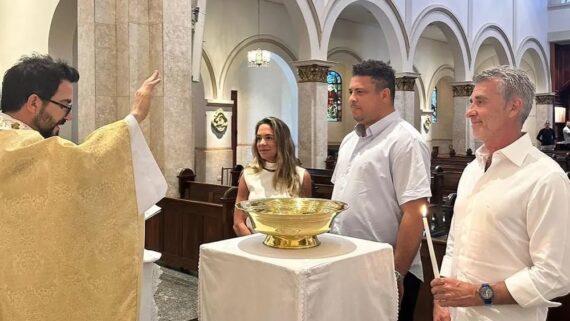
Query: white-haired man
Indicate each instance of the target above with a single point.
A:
(508, 252)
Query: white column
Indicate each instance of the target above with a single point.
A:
(405, 98)
(544, 110)
(313, 126)
(120, 43)
(177, 132)
(462, 134)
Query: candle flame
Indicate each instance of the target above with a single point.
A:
(424, 211)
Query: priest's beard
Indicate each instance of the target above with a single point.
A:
(46, 125)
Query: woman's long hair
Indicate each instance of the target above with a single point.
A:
(286, 177)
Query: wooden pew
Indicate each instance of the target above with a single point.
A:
(183, 225)
(320, 176)
(322, 191)
(447, 181)
(204, 192)
(454, 163)
(185, 175)
(436, 186)
(205, 215)
(321, 179)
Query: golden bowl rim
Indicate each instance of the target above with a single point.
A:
(340, 210)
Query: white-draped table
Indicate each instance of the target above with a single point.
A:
(342, 279)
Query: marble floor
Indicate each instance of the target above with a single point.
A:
(177, 296)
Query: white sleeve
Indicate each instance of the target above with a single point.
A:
(411, 171)
(548, 226)
(150, 184)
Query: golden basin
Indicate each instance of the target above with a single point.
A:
(291, 223)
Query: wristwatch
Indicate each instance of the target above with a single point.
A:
(486, 293)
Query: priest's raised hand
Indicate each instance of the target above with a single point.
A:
(143, 96)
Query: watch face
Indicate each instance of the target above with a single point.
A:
(486, 292)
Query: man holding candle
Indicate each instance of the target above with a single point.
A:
(508, 252)
(382, 173)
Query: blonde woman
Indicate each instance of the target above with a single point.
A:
(273, 171)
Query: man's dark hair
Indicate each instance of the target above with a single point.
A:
(35, 74)
(382, 74)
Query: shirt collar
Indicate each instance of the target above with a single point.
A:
(377, 127)
(9, 122)
(516, 151)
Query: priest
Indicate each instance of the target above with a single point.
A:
(72, 229)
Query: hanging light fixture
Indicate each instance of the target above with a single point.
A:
(258, 57)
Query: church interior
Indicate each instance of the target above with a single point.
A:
(226, 64)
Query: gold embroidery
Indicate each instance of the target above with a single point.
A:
(71, 236)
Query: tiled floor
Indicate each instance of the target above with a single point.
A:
(177, 296)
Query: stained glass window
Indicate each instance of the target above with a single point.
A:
(434, 105)
(334, 105)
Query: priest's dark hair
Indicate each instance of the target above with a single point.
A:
(35, 74)
(381, 72)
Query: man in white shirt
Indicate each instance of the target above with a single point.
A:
(382, 172)
(508, 252)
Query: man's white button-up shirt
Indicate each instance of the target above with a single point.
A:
(512, 223)
(377, 170)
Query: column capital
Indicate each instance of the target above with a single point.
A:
(313, 70)
(545, 98)
(407, 74)
(405, 81)
(462, 88)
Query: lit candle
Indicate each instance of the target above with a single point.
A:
(430, 244)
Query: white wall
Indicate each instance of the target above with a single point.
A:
(228, 23)
(499, 13)
(458, 8)
(558, 23)
(443, 129)
(24, 28)
(430, 56)
(486, 58)
(532, 20)
(262, 92)
(367, 41)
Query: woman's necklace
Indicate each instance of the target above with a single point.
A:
(270, 167)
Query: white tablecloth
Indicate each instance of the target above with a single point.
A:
(342, 279)
(148, 311)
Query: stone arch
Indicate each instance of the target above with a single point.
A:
(531, 46)
(495, 36)
(208, 71)
(306, 21)
(441, 133)
(266, 42)
(62, 44)
(265, 91)
(452, 29)
(420, 89)
(388, 18)
(444, 71)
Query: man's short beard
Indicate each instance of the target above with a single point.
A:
(44, 118)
